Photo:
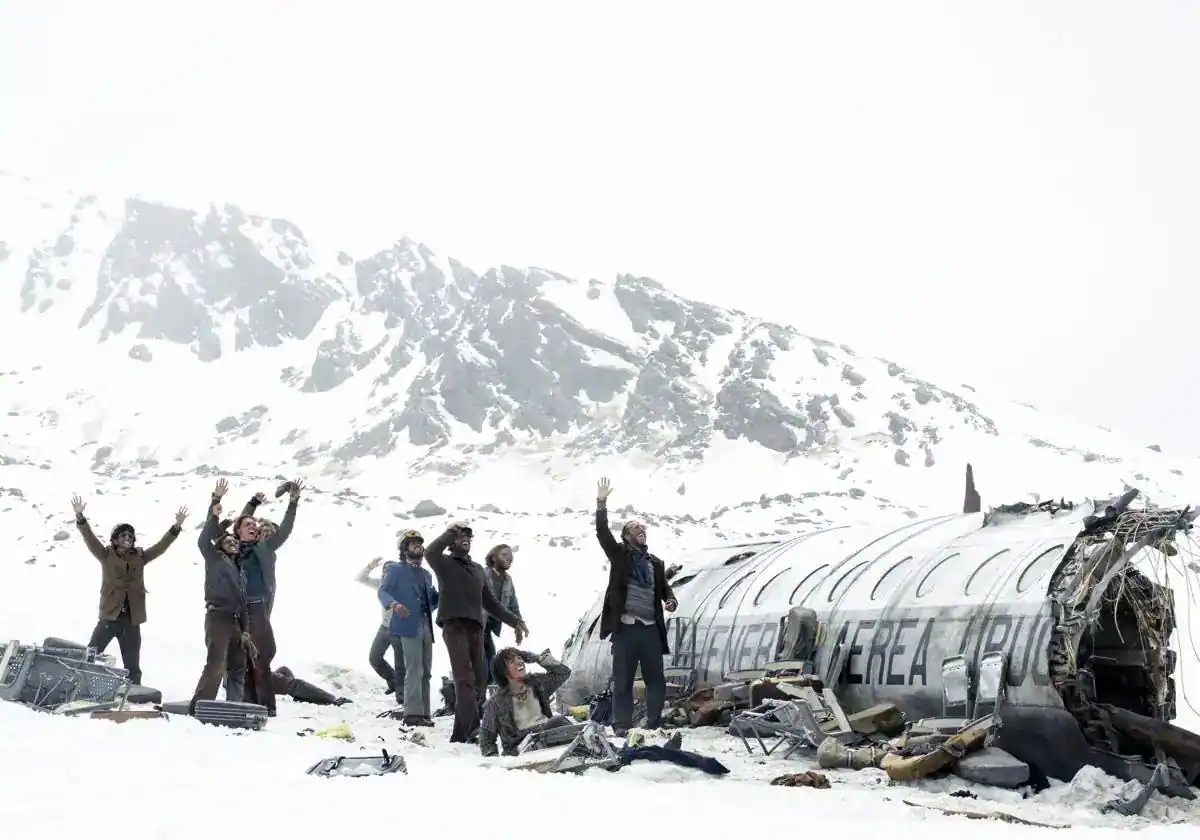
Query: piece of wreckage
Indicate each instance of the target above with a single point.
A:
(68, 678)
(1031, 616)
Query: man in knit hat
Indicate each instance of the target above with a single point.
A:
(408, 593)
(123, 585)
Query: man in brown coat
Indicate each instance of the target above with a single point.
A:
(123, 585)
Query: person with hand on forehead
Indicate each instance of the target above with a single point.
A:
(464, 602)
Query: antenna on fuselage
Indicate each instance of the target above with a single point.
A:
(972, 503)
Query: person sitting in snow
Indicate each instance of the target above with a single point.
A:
(123, 585)
(520, 705)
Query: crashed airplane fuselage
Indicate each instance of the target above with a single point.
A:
(1035, 612)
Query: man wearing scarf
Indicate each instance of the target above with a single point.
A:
(637, 594)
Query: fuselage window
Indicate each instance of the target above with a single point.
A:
(737, 584)
(763, 590)
(675, 584)
(1039, 567)
(738, 558)
(595, 621)
(805, 586)
(891, 577)
(844, 582)
(927, 582)
(977, 581)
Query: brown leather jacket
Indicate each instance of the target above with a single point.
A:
(122, 576)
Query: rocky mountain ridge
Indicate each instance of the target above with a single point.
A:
(442, 367)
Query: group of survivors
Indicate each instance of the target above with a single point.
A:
(472, 603)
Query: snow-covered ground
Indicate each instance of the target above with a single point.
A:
(178, 779)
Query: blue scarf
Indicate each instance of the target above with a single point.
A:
(641, 571)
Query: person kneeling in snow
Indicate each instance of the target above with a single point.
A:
(521, 703)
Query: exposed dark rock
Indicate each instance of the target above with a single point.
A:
(140, 353)
(852, 376)
(426, 507)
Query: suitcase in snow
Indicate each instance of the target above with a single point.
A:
(224, 713)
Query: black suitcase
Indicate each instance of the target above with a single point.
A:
(223, 713)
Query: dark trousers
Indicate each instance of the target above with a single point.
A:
(464, 644)
(222, 638)
(380, 645)
(129, 638)
(489, 653)
(259, 686)
(633, 645)
(235, 675)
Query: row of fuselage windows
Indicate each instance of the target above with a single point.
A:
(983, 576)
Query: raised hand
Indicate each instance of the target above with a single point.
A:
(77, 505)
(260, 497)
(297, 486)
(221, 489)
(603, 489)
(181, 515)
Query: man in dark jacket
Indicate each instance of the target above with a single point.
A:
(256, 556)
(464, 597)
(224, 603)
(633, 615)
(520, 704)
(123, 585)
(407, 591)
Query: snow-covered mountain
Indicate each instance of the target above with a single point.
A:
(148, 349)
(146, 340)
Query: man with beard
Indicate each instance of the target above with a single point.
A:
(633, 615)
(256, 557)
(464, 598)
(224, 604)
(495, 567)
(123, 585)
(407, 591)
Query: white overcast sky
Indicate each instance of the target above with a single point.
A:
(1003, 194)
